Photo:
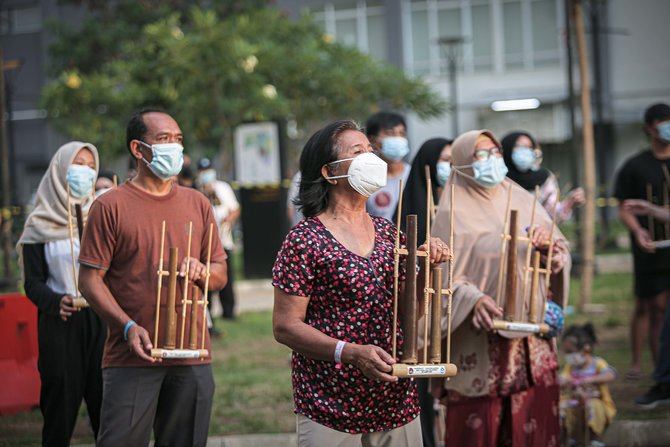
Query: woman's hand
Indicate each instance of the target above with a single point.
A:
(373, 361)
(575, 197)
(439, 251)
(66, 307)
(485, 311)
(542, 241)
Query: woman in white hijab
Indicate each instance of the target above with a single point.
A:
(70, 340)
(506, 391)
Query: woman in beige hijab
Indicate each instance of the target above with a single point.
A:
(506, 391)
(70, 340)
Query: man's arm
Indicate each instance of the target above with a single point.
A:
(100, 298)
(640, 234)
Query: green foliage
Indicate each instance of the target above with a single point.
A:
(213, 71)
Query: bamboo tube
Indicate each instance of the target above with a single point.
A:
(529, 245)
(409, 299)
(160, 286)
(205, 296)
(185, 287)
(396, 263)
(450, 278)
(426, 268)
(650, 199)
(504, 245)
(435, 318)
(71, 231)
(510, 278)
(170, 312)
(535, 282)
(193, 328)
(80, 220)
(550, 253)
(115, 180)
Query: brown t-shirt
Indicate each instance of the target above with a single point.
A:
(123, 237)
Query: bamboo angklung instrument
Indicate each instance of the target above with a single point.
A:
(172, 350)
(650, 217)
(409, 365)
(78, 301)
(530, 317)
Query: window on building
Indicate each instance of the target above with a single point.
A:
(518, 34)
(356, 24)
(21, 20)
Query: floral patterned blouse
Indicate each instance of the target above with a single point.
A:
(351, 299)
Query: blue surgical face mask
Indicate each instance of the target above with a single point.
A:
(487, 173)
(207, 176)
(523, 158)
(664, 131)
(443, 169)
(81, 179)
(168, 158)
(395, 148)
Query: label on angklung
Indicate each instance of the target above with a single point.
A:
(180, 354)
(424, 370)
(522, 327)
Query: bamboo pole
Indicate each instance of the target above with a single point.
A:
(396, 263)
(510, 278)
(410, 305)
(588, 223)
(170, 312)
(159, 287)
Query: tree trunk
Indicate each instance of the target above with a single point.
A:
(588, 222)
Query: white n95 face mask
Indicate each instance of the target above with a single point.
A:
(366, 173)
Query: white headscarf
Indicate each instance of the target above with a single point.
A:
(48, 220)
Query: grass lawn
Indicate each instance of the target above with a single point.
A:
(253, 384)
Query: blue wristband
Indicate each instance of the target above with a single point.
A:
(125, 329)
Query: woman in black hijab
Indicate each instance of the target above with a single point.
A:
(431, 153)
(523, 159)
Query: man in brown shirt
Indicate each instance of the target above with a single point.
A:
(119, 259)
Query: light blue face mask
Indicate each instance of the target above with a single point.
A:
(395, 148)
(664, 131)
(487, 173)
(523, 158)
(443, 169)
(81, 179)
(168, 158)
(207, 176)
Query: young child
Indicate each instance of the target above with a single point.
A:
(585, 396)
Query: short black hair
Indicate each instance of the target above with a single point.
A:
(320, 149)
(656, 112)
(383, 121)
(136, 128)
(583, 335)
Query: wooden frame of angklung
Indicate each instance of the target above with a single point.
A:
(189, 300)
(429, 362)
(528, 318)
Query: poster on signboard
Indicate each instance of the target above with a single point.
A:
(257, 157)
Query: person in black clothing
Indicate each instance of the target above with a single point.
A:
(644, 173)
(70, 339)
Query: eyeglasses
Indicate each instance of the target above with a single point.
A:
(485, 154)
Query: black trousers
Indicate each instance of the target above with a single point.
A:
(70, 353)
(227, 294)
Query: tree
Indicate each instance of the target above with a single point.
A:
(213, 71)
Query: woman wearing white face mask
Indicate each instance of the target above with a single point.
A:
(521, 152)
(70, 340)
(333, 282)
(506, 390)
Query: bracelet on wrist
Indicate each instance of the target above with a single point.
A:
(129, 324)
(338, 351)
